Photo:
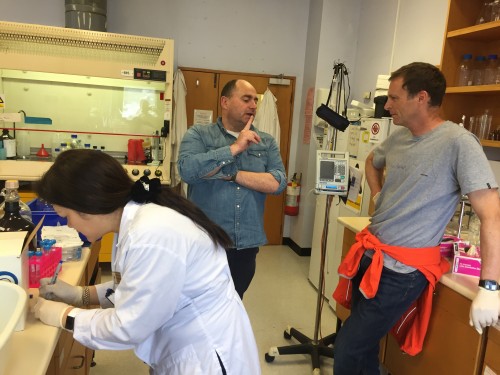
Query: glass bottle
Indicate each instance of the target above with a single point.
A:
(75, 142)
(465, 71)
(9, 143)
(12, 221)
(491, 70)
(56, 152)
(485, 14)
(479, 70)
(10, 192)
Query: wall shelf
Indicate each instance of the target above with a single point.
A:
(485, 31)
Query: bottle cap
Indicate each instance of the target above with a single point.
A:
(12, 184)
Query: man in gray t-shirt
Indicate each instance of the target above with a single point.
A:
(417, 177)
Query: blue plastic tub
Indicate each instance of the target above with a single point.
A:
(40, 209)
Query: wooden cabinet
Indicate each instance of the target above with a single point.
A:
(106, 248)
(463, 36)
(70, 357)
(203, 93)
(451, 345)
(491, 364)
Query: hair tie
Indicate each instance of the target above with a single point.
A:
(144, 189)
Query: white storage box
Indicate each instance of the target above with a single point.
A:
(14, 263)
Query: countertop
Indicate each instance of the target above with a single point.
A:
(32, 348)
(462, 284)
(31, 170)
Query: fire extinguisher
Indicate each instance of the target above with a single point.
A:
(292, 196)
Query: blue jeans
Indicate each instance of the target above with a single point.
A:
(356, 347)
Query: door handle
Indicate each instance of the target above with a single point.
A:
(81, 364)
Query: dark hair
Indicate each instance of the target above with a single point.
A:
(94, 182)
(420, 76)
(228, 88)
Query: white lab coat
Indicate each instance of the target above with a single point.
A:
(175, 303)
(266, 118)
(179, 123)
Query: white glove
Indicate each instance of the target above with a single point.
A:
(61, 291)
(484, 309)
(50, 312)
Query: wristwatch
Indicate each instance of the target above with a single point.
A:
(233, 177)
(70, 320)
(489, 285)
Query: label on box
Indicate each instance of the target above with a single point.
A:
(467, 265)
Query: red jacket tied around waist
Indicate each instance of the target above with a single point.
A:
(411, 328)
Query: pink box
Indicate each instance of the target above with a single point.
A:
(467, 265)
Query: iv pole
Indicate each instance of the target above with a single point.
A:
(316, 347)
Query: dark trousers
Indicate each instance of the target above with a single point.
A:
(357, 344)
(242, 264)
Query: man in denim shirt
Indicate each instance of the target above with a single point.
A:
(229, 167)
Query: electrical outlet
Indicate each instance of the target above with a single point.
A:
(10, 117)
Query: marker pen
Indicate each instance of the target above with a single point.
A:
(58, 268)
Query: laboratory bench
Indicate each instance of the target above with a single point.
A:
(40, 349)
(451, 345)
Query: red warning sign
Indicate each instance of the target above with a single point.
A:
(375, 128)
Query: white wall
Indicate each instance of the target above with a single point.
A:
(332, 31)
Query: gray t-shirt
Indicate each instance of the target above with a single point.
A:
(425, 178)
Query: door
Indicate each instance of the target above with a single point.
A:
(203, 92)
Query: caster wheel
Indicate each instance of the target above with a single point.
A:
(286, 335)
(269, 358)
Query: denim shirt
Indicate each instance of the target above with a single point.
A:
(237, 209)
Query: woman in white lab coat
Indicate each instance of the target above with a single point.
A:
(172, 298)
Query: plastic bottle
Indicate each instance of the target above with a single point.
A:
(465, 71)
(10, 193)
(479, 70)
(12, 221)
(491, 70)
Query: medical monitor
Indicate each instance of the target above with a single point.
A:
(332, 172)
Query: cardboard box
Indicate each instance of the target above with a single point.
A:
(14, 263)
(466, 265)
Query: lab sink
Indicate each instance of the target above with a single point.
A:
(14, 304)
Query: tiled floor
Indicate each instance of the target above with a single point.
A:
(280, 295)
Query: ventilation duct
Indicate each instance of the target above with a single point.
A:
(86, 14)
